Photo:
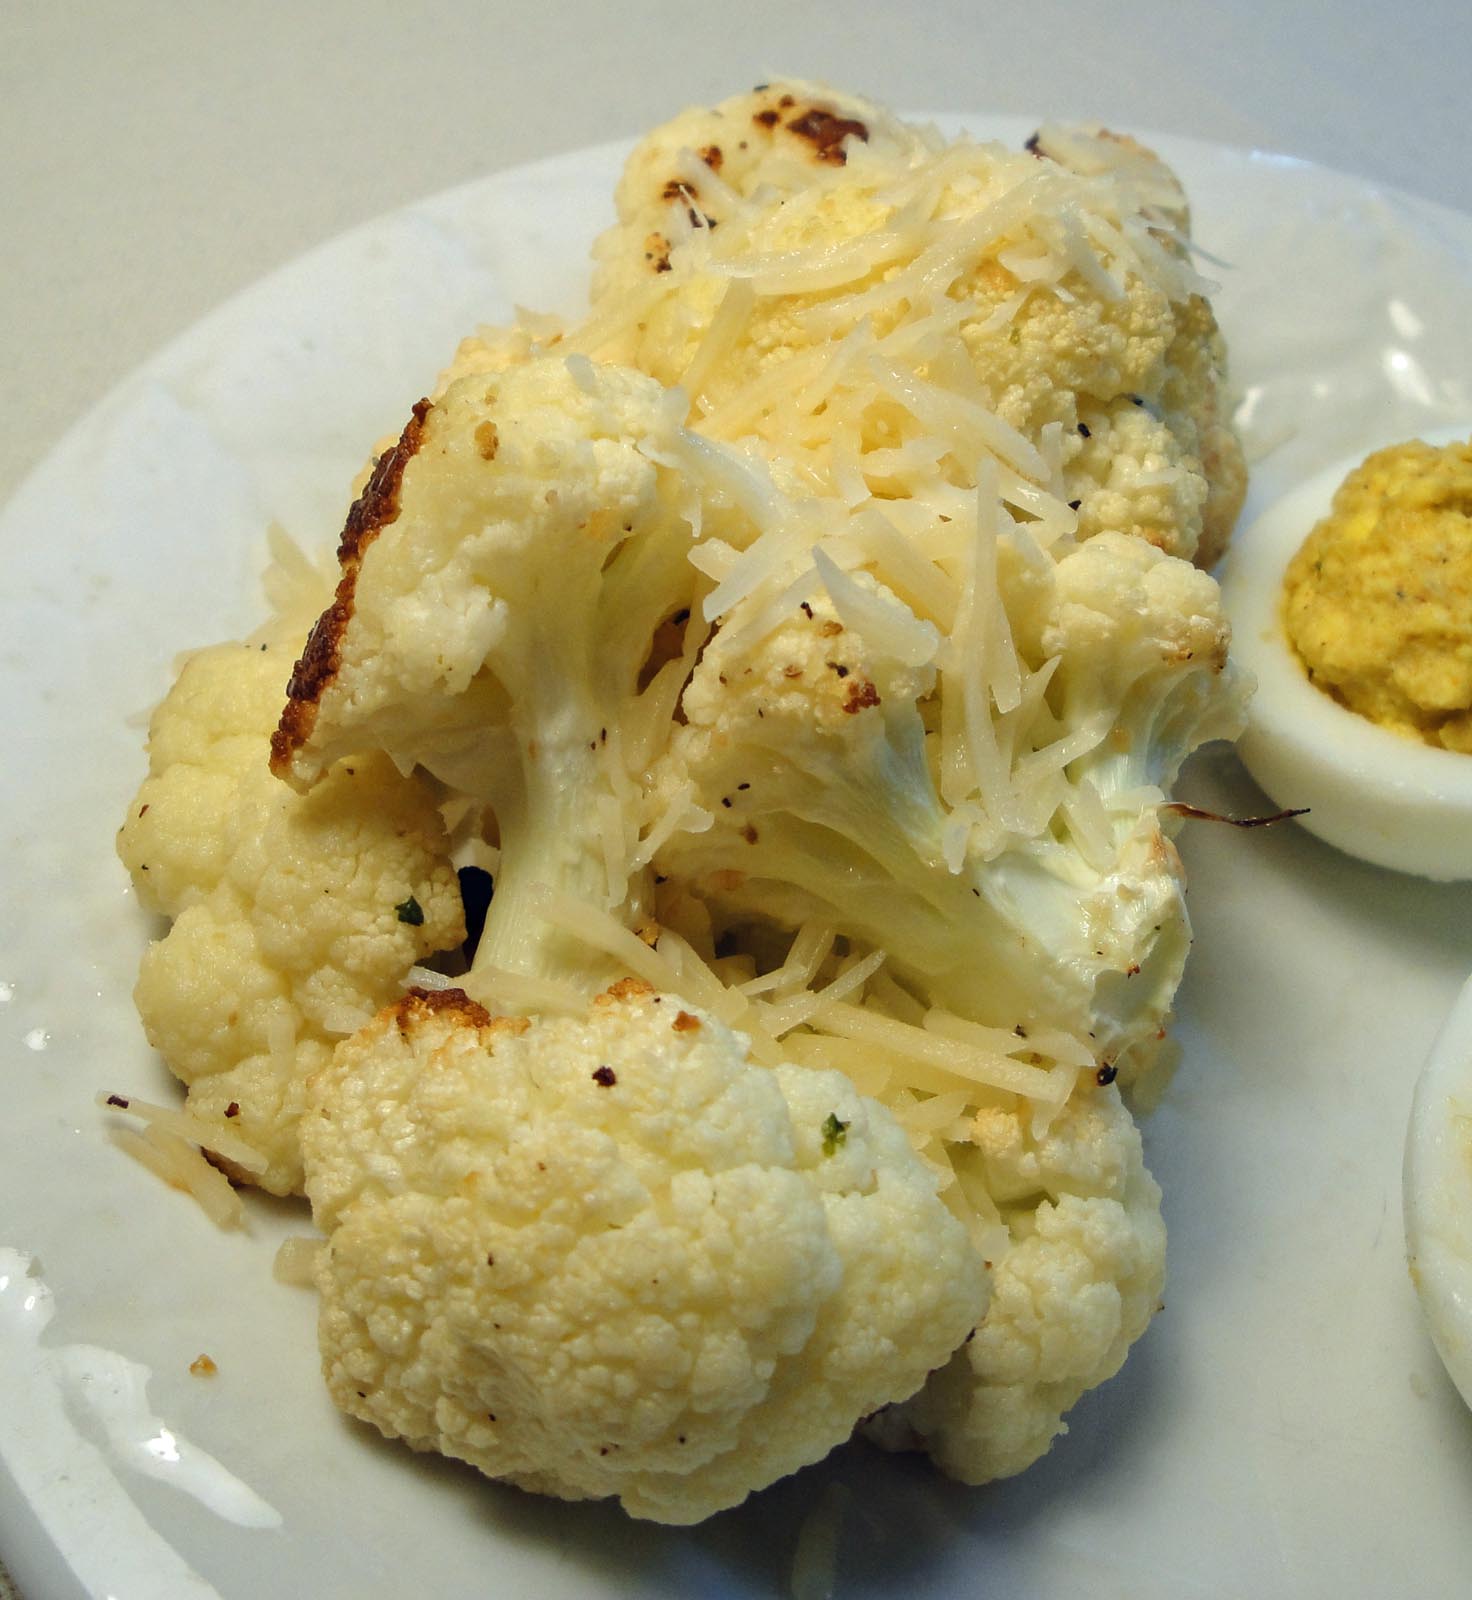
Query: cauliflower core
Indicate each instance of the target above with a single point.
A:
(498, 605)
(607, 1255)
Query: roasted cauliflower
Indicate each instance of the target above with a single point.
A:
(805, 641)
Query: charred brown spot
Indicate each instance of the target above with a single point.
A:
(487, 440)
(827, 133)
(678, 189)
(120, 1101)
(685, 1023)
(766, 119)
(378, 505)
(712, 157)
(625, 989)
(861, 695)
(419, 1003)
(657, 252)
(233, 1109)
(1106, 1074)
(749, 833)
(371, 512)
(605, 1077)
(445, 1000)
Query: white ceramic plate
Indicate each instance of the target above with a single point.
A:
(1285, 1428)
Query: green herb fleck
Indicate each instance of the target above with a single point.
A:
(834, 1134)
(410, 911)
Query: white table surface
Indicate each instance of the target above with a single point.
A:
(156, 158)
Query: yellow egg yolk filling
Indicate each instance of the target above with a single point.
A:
(1377, 603)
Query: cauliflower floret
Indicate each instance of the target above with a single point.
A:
(766, 231)
(1141, 639)
(295, 918)
(1161, 456)
(504, 578)
(1150, 466)
(699, 171)
(1194, 402)
(1128, 477)
(607, 1255)
(1078, 1286)
(814, 760)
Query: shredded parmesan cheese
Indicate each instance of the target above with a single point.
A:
(182, 1166)
(185, 1125)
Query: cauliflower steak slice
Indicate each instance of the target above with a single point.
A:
(499, 602)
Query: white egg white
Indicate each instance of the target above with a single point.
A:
(1438, 1193)
(1371, 793)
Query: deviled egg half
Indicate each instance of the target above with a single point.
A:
(1375, 793)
